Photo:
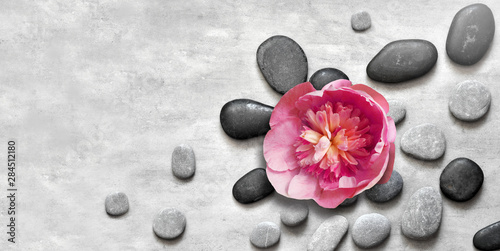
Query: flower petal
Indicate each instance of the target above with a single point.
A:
(286, 106)
(278, 150)
(390, 165)
(339, 83)
(374, 95)
(281, 180)
(391, 130)
(333, 198)
(303, 186)
(347, 182)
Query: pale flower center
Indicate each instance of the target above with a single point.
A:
(333, 139)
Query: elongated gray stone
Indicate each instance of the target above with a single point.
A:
(397, 110)
(245, 118)
(470, 34)
(402, 60)
(169, 223)
(265, 234)
(116, 203)
(329, 234)
(183, 162)
(370, 230)
(425, 142)
(282, 62)
(470, 100)
(422, 216)
(294, 214)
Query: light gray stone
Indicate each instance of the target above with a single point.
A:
(470, 100)
(116, 204)
(329, 234)
(169, 223)
(361, 21)
(397, 110)
(422, 216)
(183, 162)
(387, 191)
(425, 142)
(370, 230)
(294, 214)
(265, 234)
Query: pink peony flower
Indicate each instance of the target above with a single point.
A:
(329, 145)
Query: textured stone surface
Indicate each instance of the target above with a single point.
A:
(169, 223)
(349, 201)
(488, 238)
(370, 230)
(361, 21)
(422, 216)
(265, 234)
(282, 62)
(183, 162)
(387, 191)
(245, 118)
(470, 34)
(116, 203)
(252, 187)
(461, 179)
(397, 110)
(469, 100)
(329, 234)
(426, 142)
(295, 214)
(326, 75)
(402, 60)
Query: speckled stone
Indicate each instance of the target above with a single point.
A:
(183, 162)
(488, 238)
(245, 118)
(425, 142)
(116, 204)
(324, 76)
(349, 201)
(361, 21)
(294, 214)
(252, 187)
(370, 230)
(470, 100)
(329, 234)
(265, 234)
(282, 62)
(397, 110)
(461, 179)
(422, 216)
(169, 223)
(387, 191)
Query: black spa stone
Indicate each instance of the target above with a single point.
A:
(252, 187)
(245, 118)
(488, 238)
(387, 191)
(402, 60)
(282, 62)
(326, 75)
(461, 179)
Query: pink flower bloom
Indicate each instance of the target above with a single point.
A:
(329, 145)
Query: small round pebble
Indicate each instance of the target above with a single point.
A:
(116, 204)
(326, 75)
(169, 223)
(370, 230)
(386, 192)
(425, 142)
(349, 201)
(470, 100)
(361, 21)
(461, 179)
(329, 234)
(294, 214)
(265, 234)
(397, 110)
(183, 162)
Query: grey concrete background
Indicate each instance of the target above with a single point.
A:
(97, 94)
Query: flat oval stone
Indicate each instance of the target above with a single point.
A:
(370, 230)
(488, 238)
(402, 60)
(361, 21)
(116, 204)
(422, 216)
(252, 187)
(425, 142)
(265, 234)
(329, 234)
(245, 118)
(470, 34)
(169, 223)
(397, 110)
(282, 62)
(386, 192)
(349, 201)
(183, 162)
(326, 75)
(461, 179)
(470, 100)
(294, 214)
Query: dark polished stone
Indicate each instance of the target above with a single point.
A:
(488, 238)
(387, 191)
(326, 75)
(461, 179)
(245, 118)
(252, 187)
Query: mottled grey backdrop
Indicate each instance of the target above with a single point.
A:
(97, 94)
